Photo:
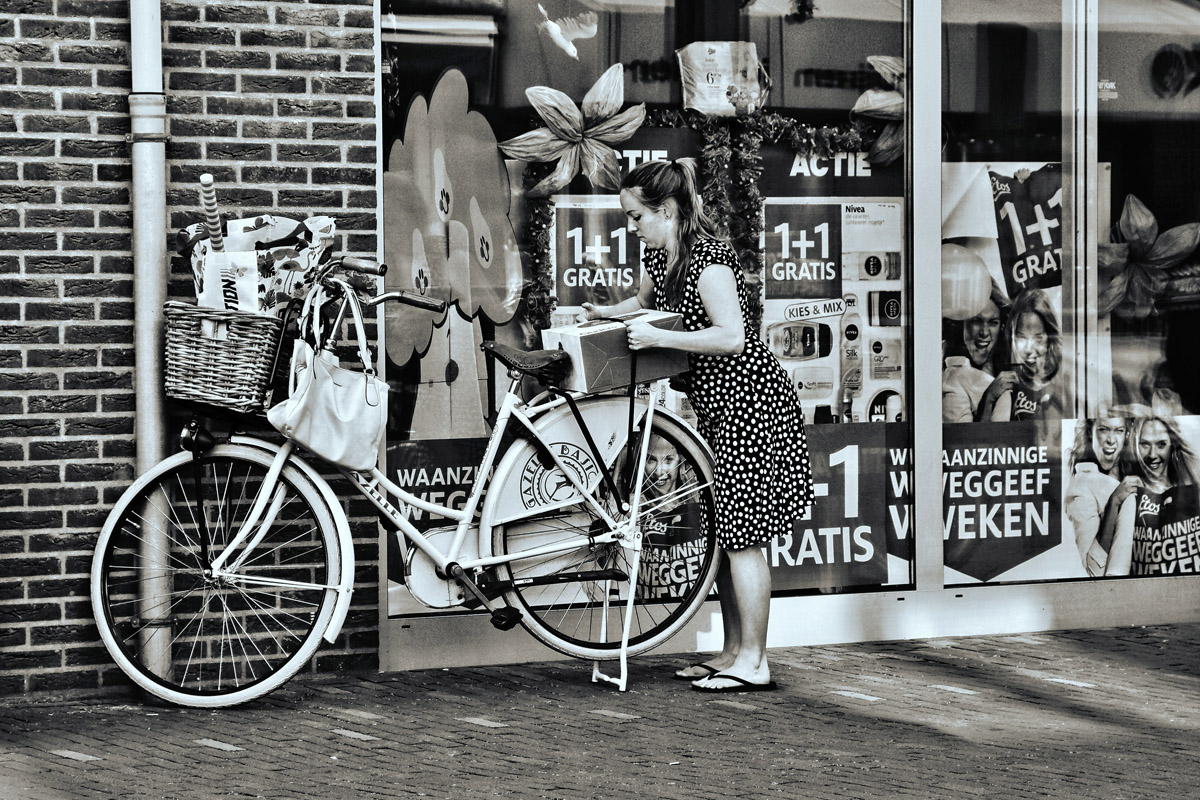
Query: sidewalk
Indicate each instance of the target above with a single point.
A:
(1101, 715)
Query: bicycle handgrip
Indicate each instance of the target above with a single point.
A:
(420, 301)
(363, 265)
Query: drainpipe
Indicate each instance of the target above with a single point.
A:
(148, 125)
(148, 121)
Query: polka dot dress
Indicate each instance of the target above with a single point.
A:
(747, 411)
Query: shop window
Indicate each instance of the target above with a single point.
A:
(1067, 297)
(808, 179)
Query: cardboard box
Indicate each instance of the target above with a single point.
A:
(600, 354)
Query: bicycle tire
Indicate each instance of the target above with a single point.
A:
(230, 641)
(678, 564)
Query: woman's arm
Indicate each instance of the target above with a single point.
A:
(1084, 513)
(1002, 410)
(1108, 523)
(727, 334)
(1004, 382)
(643, 299)
(1120, 555)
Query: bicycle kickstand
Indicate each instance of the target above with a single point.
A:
(634, 545)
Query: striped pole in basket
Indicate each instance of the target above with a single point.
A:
(212, 216)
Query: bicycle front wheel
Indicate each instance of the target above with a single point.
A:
(198, 637)
(575, 600)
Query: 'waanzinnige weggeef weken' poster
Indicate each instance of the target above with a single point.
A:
(1029, 491)
(1005, 374)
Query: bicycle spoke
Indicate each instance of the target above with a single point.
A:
(234, 634)
(585, 615)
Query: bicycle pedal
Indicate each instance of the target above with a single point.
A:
(506, 618)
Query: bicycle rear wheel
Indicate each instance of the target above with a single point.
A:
(193, 637)
(562, 596)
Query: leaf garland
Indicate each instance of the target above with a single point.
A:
(730, 165)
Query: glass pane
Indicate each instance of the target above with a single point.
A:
(1148, 289)
(835, 284)
(796, 125)
(1007, 283)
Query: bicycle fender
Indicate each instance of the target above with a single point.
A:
(345, 586)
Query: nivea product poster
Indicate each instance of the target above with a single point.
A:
(833, 304)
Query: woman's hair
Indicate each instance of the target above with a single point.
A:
(1082, 451)
(1182, 468)
(1035, 301)
(656, 182)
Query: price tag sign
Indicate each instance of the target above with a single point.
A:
(597, 259)
(803, 250)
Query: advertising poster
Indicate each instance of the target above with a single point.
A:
(833, 307)
(1153, 528)
(438, 471)
(1006, 372)
(1001, 494)
(1001, 258)
(597, 259)
(899, 502)
(841, 175)
(1028, 207)
(843, 540)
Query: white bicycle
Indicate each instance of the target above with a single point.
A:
(218, 573)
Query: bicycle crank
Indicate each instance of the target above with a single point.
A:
(504, 618)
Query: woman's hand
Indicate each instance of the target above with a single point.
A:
(642, 335)
(589, 312)
(1127, 486)
(1006, 381)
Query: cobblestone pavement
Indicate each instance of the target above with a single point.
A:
(1079, 714)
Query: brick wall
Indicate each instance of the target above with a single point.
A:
(276, 100)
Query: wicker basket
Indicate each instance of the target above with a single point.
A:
(233, 372)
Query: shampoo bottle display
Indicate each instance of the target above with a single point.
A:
(834, 301)
(800, 340)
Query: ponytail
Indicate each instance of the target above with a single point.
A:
(656, 182)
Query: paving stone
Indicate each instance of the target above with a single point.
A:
(1073, 715)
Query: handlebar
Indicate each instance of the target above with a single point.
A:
(408, 298)
(365, 266)
(362, 265)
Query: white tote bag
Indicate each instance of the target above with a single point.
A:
(340, 414)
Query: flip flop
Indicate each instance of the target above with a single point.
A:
(709, 667)
(741, 685)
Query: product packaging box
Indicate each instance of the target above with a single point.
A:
(600, 354)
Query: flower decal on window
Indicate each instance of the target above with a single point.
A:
(447, 234)
(579, 138)
(1140, 260)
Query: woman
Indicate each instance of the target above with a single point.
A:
(971, 358)
(1028, 391)
(1163, 490)
(744, 402)
(1095, 470)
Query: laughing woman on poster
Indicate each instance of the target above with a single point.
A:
(745, 405)
(971, 358)
(1141, 529)
(1028, 390)
(1095, 470)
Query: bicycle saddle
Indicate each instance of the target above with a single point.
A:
(548, 366)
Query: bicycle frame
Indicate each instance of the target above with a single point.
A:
(511, 408)
(448, 562)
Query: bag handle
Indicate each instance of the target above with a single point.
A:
(359, 326)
